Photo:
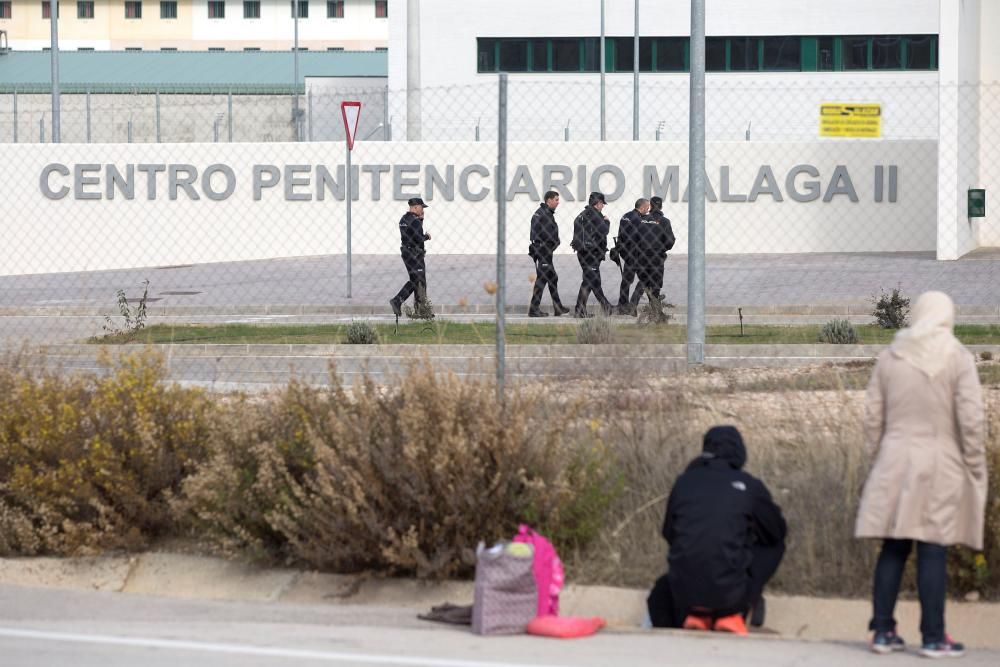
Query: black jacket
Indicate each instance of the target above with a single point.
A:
(544, 231)
(668, 232)
(628, 240)
(590, 233)
(411, 233)
(715, 514)
(653, 238)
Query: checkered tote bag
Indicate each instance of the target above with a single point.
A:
(505, 598)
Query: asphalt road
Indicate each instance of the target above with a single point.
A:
(51, 628)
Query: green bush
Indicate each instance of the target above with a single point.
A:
(597, 330)
(838, 332)
(89, 463)
(986, 355)
(361, 332)
(891, 310)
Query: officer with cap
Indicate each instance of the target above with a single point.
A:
(654, 237)
(590, 241)
(544, 241)
(628, 250)
(412, 237)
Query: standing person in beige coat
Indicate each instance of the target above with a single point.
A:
(924, 417)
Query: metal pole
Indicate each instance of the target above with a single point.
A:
(385, 115)
(696, 194)
(295, 75)
(230, 115)
(130, 130)
(604, 124)
(350, 195)
(54, 51)
(635, 77)
(15, 115)
(501, 235)
(88, 115)
(157, 116)
(309, 110)
(41, 129)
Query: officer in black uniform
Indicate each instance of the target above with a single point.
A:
(627, 245)
(654, 237)
(590, 241)
(544, 241)
(412, 237)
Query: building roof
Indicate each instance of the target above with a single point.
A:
(182, 71)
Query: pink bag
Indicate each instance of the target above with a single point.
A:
(547, 568)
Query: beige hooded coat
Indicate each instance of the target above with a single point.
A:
(924, 418)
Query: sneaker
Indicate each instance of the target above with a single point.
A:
(397, 306)
(695, 622)
(949, 648)
(536, 312)
(734, 624)
(559, 309)
(887, 642)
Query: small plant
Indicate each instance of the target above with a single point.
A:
(598, 330)
(135, 318)
(656, 311)
(361, 332)
(891, 309)
(422, 309)
(838, 332)
(986, 355)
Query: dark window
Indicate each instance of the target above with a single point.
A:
(670, 53)
(5, 9)
(592, 54)
(887, 53)
(303, 8)
(920, 52)
(646, 54)
(216, 9)
(168, 10)
(715, 54)
(782, 54)
(855, 53)
(85, 48)
(513, 55)
(565, 55)
(335, 9)
(251, 9)
(381, 49)
(133, 48)
(168, 48)
(85, 9)
(743, 54)
(624, 48)
(133, 9)
(539, 56)
(251, 48)
(216, 48)
(334, 48)
(825, 56)
(381, 9)
(487, 57)
(47, 10)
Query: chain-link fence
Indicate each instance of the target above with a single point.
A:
(232, 232)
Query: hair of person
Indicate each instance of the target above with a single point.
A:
(639, 203)
(656, 203)
(551, 194)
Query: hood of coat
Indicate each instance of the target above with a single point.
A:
(724, 443)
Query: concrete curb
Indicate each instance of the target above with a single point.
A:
(201, 577)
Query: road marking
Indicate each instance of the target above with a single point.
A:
(244, 649)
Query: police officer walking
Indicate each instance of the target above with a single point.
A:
(590, 241)
(412, 237)
(654, 237)
(544, 241)
(627, 245)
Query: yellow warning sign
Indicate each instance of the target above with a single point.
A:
(847, 119)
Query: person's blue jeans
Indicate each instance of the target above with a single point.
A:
(931, 586)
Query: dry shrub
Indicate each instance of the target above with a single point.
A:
(403, 480)
(88, 462)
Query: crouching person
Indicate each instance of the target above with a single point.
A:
(727, 538)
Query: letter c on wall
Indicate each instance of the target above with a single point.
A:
(43, 181)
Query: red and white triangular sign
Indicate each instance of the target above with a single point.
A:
(351, 112)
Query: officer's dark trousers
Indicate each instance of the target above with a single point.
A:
(651, 278)
(931, 586)
(416, 271)
(666, 611)
(628, 275)
(545, 274)
(590, 266)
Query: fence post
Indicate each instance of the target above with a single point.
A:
(215, 129)
(230, 112)
(696, 201)
(15, 115)
(130, 129)
(41, 129)
(309, 107)
(88, 115)
(386, 130)
(501, 190)
(157, 116)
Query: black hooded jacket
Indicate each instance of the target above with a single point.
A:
(715, 514)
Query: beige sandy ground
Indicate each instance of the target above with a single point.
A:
(199, 577)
